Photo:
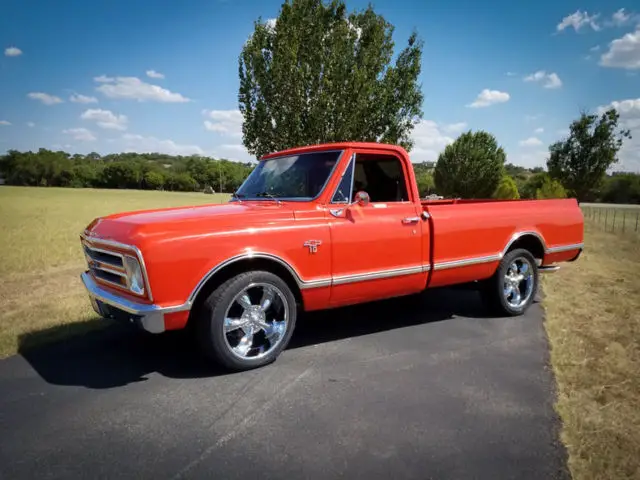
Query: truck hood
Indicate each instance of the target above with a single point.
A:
(139, 226)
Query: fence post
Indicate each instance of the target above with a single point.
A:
(600, 216)
(637, 215)
(614, 220)
(606, 217)
(624, 217)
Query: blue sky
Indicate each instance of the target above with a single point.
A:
(163, 76)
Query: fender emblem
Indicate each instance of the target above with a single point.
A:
(312, 245)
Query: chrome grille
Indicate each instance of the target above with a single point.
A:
(103, 256)
(105, 265)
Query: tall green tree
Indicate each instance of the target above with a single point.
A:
(471, 167)
(580, 161)
(550, 188)
(320, 74)
(507, 189)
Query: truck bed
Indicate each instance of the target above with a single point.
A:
(463, 231)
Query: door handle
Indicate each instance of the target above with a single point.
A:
(408, 220)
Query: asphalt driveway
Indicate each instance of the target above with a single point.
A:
(421, 387)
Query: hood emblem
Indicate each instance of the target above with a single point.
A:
(312, 245)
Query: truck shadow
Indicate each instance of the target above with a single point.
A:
(119, 355)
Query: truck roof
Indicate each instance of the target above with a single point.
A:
(322, 147)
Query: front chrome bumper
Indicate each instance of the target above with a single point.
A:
(109, 305)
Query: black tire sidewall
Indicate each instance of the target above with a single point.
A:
(212, 314)
(498, 285)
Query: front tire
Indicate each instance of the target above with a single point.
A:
(513, 287)
(247, 321)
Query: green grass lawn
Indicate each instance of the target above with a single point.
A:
(40, 287)
(593, 325)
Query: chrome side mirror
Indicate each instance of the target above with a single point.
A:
(362, 198)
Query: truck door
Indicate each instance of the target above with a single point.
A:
(376, 247)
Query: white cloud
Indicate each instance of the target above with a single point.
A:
(512, 74)
(578, 20)
(141, 144)
(106, 119)
(80, 134)
(31, 124)
(77, 98)
(133, 88)
(5, 123)
(549, 80)
(595, 49)
(12, 52)
(539, 130)
(531, 142)
(45, 98)
(629, 111)
(530, 118)
(621, 18)
(489, 97)
(623, 52)
(270, 23)
(225, 122)
(154, 74)
(429, 141)
(455, 127)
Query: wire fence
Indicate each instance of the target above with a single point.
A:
(614, 219)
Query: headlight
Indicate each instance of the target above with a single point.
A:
(134, 275)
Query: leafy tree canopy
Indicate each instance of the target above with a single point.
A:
(471, 167)
(319, 74)
(580, 161)
(550, 188)
(507, 189)
(125, 170)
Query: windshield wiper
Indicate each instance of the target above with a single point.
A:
(269, 195)
(238, 195)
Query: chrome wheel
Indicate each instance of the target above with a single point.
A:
(518, 282)
(255, 322)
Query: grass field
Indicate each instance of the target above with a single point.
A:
(40, 285)
(593, 323)
(592, 310)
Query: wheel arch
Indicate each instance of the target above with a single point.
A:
(245, 263)
(531, 241)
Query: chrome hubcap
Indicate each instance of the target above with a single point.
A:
(256, 321)
(518, 283)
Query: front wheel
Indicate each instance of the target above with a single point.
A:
(512, 289)
(247, 321)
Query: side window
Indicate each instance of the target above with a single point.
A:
(343, 192)
(382, 177)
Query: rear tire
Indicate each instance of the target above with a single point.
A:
(513, 287)
(247, 321)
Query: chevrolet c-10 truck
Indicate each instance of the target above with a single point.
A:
(315, 228)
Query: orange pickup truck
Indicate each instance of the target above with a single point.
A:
(316, 228)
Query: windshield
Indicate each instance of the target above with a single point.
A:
(300, 177)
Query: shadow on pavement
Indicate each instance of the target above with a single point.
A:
(119, 355)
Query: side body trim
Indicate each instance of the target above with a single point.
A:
(467, 261)
(396, 272)
(565, 248)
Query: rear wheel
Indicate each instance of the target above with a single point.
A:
(247, 321)
(512, 289)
